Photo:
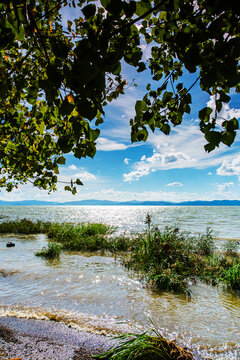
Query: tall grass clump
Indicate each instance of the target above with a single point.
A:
(145, 347)
(231, 248)
(52, 251)
(205, 243)
(82, 237)
(169, 259)
(163, 257)
(24, 226)
(231, 277)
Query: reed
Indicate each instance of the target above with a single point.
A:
(231, 248)
(164, 258)
(52, 251)
(82, 237)
(24, 226)
(170, 259)
(231, 277)
(167, 259)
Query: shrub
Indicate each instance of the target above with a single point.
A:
(51, 252)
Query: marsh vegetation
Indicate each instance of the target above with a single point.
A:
(165, 259)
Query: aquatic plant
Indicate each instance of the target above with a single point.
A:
(205, 243)
(166, 259)
(24, 226)
(145, 347)
(163, 257)
(231, 248)
(52, 251)
(169, 259)
(83, 237)
(231, 277)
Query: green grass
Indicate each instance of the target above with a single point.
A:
(231, 248)
(167, 259)
(52, 251)
(84, 237)
(24, 226)
(145, 347)
(231, 277)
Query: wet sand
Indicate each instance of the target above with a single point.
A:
(31, 339)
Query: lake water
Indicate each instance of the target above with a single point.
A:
(96, 294)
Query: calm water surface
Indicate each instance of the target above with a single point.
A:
(95, 293)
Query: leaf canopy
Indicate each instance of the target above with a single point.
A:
(57, 78)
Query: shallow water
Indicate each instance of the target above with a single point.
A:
(95, 293)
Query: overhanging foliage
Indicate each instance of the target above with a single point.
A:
(56, 78)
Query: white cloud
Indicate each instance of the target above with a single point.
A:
(85, 176)
(184, 149)
(230, 167)
(175, 184)
(135, 175)
(226, 112)
(158, 161)
(225, 186)
(126, 161)
(105, 144)
(210, 173)
(72, 167)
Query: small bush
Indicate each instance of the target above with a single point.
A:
(52, 251)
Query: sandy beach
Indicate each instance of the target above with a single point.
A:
(31, 339)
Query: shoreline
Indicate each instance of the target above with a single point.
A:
(29, 339)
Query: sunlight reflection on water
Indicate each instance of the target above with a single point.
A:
(95, 293)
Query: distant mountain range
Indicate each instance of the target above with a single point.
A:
(123, 203)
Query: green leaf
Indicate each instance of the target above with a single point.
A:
(142, 7)
(228, 138)
(213, 137)
(142, 135)
(129, 8)
(40, 127)
(94, 134)
(166, 129)
(140, 106)
(89, 11)
(61, 160)
(11, 146)
(66, 108)
(78, 182)
(113, 6)
(205, 113)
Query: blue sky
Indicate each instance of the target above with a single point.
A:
(169, 168)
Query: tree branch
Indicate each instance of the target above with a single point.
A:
(156, 7)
